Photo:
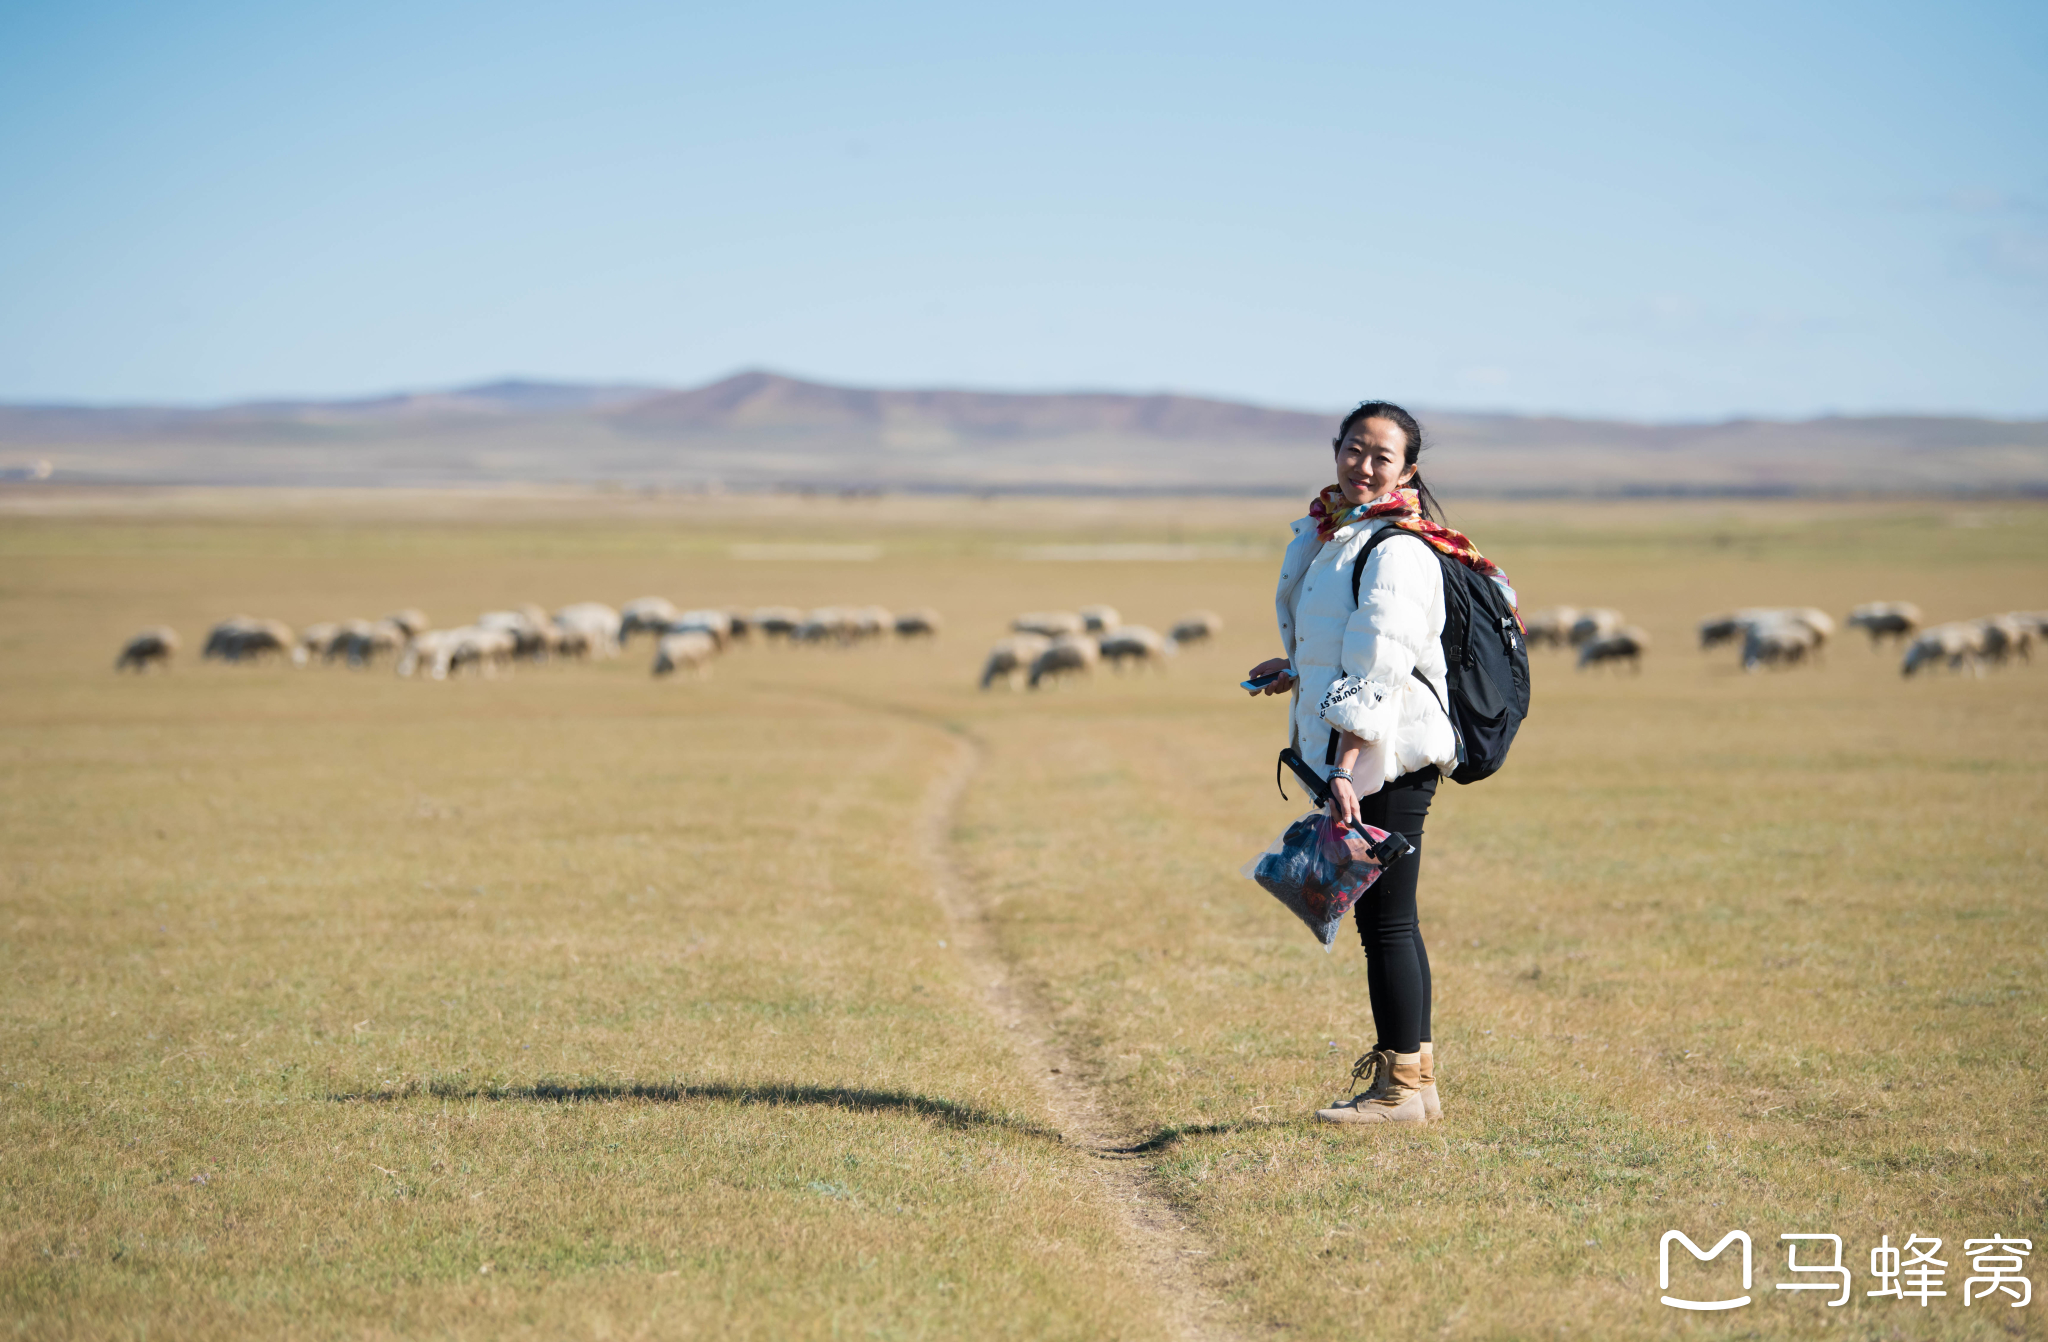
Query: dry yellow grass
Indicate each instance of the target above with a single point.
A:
(323, 991)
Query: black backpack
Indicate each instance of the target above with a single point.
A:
(1486, 661)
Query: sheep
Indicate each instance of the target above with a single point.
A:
(920, 623)
(2035, 621)
(826, 624)
(1593, 624)
(153, 646)
(2002, 637)
(1197, 626)
(1551, 628)
(739, 624)
(651, 614)
(777, 621)
(422, 647)
(1718, 629)
(243, 638)
(1069, 655)
(1100, 619)
(599, 624)
(1136, 644)
(533, 635)
(489, 650)
(338, 641)
(691, 648)
(714, 624)
(1011, 656)
(871, 621)
(1819, 621)
(362, 641)
(1784, 641)
(1885, 620)
(314, 641)
(1623, 644)
(1959, 644)
(446, 651)
(1047, 623)
(411, 621)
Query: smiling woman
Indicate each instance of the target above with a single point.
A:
(1362, 613)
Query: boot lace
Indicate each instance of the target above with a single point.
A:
(1369, 1074)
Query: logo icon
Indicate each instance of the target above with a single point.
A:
(1664, 1268)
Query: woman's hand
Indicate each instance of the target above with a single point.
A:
(1343, 802)
(1283, 677)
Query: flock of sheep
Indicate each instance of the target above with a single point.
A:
(1052, 645)
(1043, 646)
(1602, 637)
(1971, 645)
(685, 640)
(1776, 637)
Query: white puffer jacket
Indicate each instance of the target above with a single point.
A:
(1352, 663)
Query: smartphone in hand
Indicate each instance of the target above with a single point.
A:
(1257, 683)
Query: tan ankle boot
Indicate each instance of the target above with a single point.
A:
(1395, 1095)
(1430, 1107)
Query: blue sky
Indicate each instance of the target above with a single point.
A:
(1655, 211)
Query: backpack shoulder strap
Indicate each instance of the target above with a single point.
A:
(1387, 532)
(1358, 571)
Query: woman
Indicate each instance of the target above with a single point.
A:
(1368, 685)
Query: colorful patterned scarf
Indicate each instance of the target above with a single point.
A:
(1404, 508)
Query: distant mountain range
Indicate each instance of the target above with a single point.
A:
(760, 430)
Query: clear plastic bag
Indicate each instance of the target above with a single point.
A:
(1319, 869)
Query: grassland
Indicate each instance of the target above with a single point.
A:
(574, 1004)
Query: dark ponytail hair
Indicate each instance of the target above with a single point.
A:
(1410, 431)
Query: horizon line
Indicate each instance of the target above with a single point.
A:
(654, 389)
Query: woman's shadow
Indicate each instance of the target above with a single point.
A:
(781, 1095)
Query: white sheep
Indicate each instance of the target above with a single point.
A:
(1010, 657)
(1960, 645)
(1784, 641)
(1068, 655)
(2035, 620)
(314, 641)
(1819, 621)
(713, 624)
(685, 648)
(1593, 624)
(1551, 628)
(597, 622)
(1048, 623)
(827, 624)
(1137, 645)
(2003, 638)
(534, 636)
(445, 652)
(1718, 629)
(154, 646)
(649, 614)
(361, 642)
(411, 621)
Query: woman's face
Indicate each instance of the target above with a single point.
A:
(1372, 460)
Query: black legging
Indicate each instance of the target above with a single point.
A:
(1397, 966)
